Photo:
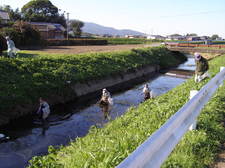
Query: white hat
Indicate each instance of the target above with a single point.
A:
(197, 56)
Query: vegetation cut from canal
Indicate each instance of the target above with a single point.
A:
(26, 78)
(108, 146)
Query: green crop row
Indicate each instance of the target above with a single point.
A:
(107, 147)
(116, 41)
(29, 76)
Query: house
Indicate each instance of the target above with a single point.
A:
(194, 38)
(156, 37)
(4, 16)
(205, 38)
(175, 37)
(129, 36)
(49, 30)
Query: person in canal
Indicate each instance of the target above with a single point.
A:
(43, 112)
(202, 66)
(106, 103)
(147, 92)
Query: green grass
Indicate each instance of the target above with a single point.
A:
(29, 76)
(107, 147)
(116, 41)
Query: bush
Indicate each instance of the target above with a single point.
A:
(26, 79)
(23, 35)
(3, 45)
(74, 42)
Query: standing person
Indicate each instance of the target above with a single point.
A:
(147, 92)
(43, 111)
(202, 66)
(12, 50)
(106, 103)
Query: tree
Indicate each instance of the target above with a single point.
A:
(214, 37)
(42, 11)
(13, 14)
(175, 34)
(76, 26)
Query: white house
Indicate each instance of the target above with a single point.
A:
(4, 16)
(156, 37)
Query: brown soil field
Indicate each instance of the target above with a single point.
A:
(88, 49)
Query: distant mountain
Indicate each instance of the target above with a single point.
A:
(101, 30)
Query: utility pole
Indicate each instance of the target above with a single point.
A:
(67, 24)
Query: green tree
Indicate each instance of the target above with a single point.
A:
(42, 11)
(13, 14)
(214, 37)
(76, 26)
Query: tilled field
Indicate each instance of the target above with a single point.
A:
(87, 49)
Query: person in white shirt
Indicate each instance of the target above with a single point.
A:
(12, 50)
(147, 92)
(106, 103)
(43, 112)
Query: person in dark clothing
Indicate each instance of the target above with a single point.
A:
(202, 67)
(147, 92)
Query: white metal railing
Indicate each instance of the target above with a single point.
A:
(155, 150)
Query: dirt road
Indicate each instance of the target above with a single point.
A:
(88, 49)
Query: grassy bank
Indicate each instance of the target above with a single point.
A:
(107, 147)
(24, 79)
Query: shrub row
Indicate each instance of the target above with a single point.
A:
(108, 146)
(117, 41)
(76, 42)
(26, 36)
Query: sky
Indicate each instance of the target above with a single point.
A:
(164, 17)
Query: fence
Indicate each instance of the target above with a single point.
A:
(195, 45)
(155, 150)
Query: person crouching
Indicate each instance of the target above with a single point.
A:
(202, 67)
(147, 92)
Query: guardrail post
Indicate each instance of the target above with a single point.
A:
(194, 124)
(221, 68)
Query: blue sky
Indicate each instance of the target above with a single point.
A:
(204, 17)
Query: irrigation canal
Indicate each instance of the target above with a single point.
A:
(26, 139)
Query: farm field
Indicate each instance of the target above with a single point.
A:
(91, 49)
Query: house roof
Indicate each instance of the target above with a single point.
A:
(4, 15)
(49, 26)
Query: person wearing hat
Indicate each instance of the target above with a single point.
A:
(202, 66)
(147, 92)
(43, 112)
(106, 103)
(12, 50)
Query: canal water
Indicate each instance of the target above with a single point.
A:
(27, 139)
